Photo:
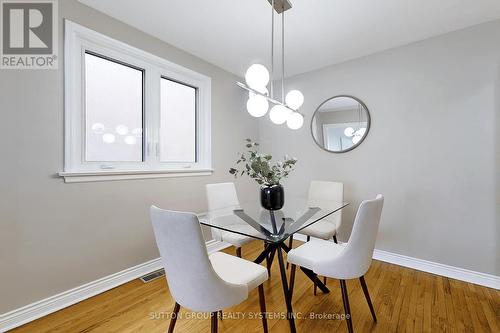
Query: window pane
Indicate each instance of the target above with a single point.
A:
(113, 111)
(178, 122)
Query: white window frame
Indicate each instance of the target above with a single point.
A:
(77, 41)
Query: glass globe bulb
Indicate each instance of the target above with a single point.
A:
(98, 128)
(108, 138)
(257, 105)
(356, 139)
(349, 132)
(294, 99)
(279, 114)
(295, 121)
(121, 129)
(257, 77)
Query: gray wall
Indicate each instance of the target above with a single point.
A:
(432, 149)
(57, 236)
(442, 201)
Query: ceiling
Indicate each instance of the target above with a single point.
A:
(233, 34)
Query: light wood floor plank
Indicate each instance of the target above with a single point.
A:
(405, 300)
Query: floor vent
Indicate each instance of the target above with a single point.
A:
(152, 276)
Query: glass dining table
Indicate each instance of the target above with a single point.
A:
(274, 228)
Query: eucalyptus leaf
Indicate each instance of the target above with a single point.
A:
(260, 167)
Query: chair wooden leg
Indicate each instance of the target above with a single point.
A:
(335, 239)
(292, 280)
(290, 243)
(367, 296)
(238, 251)
(263, 311)
(267, 261)
(173, 320)
(347, 309)
(214, 322)
(324, 280)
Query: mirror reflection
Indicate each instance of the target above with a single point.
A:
(340, 124)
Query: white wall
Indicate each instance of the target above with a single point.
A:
(56, 236)
(432, 149)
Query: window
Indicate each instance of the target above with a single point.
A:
(130, 114)
(178, 122)
(113, 110)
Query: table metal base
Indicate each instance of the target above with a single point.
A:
(269, 253)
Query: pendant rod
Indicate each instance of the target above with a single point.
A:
(272, 50)
(359, 115)
(283, 54)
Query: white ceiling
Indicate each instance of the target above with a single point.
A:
(236, 33)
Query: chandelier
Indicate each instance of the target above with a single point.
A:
(355, 134)
(257, 79)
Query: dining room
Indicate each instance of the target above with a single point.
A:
(250, 166)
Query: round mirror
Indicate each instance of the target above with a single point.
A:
(340, 124)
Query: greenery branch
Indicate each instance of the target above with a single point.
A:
(259, 166)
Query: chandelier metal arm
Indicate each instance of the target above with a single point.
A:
(270, 99)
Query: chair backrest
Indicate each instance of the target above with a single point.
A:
(324, 193)
(359, 248)
(355, 259)
(222, 199)
(191, 278)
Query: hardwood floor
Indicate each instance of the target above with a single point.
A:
(405, 300)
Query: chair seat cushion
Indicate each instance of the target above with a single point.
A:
(238, 271)
(313, 251)
(320, 229)
(237, 239)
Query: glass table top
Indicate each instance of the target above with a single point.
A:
(250, 219)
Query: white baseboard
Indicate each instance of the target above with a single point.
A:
(57, 302)
(482, 279)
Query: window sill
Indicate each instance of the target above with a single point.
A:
(99, 176)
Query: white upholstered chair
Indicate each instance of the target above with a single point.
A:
(322, 194)
(344, 262)
(196, 280)
(222, 200)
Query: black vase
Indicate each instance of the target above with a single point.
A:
(272, 197)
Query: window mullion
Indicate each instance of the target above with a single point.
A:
(152, 116)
